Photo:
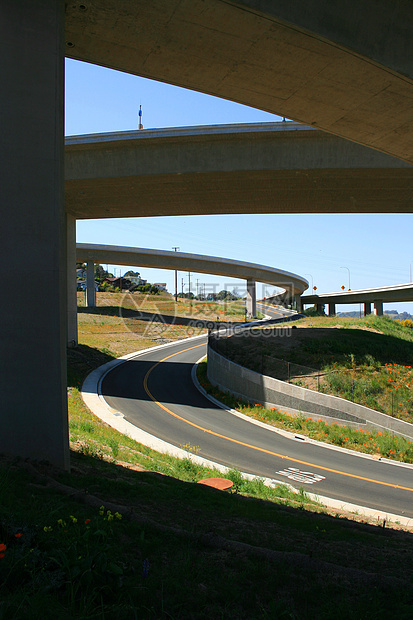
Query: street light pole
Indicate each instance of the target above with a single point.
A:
(176, 278)
(349, 287)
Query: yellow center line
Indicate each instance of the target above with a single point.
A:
(247, 445)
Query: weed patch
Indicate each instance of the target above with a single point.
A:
(379, 443)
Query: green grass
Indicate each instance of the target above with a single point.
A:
(109, 542)
(128, 534)
(379, 443)
(368, 360)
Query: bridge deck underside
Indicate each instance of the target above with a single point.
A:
(309, 191)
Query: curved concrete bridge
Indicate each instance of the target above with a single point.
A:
(245, 168)
(182, 261)
(344, 67)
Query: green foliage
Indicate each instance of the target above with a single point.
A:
(371, 367)
(73, 558)
(373, 442)
(106, 287)
(101, 273)
(147, 288)
(226, 295)
(312, 311)
(130, 273)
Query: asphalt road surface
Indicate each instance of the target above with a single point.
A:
(155, 392)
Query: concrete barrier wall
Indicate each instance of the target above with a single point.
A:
(294, 400)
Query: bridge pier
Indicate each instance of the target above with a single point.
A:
(378, 307)
(251, 299)
(72, 335)
(90, 284)
(33, 420)
(367, 308)
(298, 304)
(331, 309)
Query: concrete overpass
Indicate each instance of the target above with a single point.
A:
(376, 296)
(341, 67)
(182, 261)
(249, 168)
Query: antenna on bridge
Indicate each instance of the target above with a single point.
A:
(140, 117)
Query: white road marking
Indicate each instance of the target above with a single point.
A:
(307, 477)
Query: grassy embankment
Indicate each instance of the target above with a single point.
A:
(117, 538)
(368, 361)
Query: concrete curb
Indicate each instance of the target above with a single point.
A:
(270, 392)
(327, 501)
(95, 401)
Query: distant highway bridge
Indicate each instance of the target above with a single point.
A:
(376, 296)
(164, 259)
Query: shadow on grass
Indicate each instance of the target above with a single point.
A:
(318, 347)
(81, 360)
(284, 535)
(182, 550)
(154, 317)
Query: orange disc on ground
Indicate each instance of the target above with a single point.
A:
(217, 483)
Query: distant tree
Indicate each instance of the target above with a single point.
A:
(224, 294)
(186, 295)
(133, 274)
(147, 288)
(101, 273)
(143, 288)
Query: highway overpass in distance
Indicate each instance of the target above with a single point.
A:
(281, 167)
(376, 296)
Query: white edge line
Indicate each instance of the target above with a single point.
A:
(327, 501)
(95, 401)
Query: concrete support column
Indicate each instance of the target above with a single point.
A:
(298, 304)
(90, 284)
(378, 308)
(33, 394)
(331, 309)
(251, 299)
(72, 337)
(367, 308)
(319, 307)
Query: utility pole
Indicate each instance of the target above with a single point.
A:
(189, 283)
(182, 287)
(176, 278)
(349, 287)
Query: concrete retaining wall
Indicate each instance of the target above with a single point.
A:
(294, 400)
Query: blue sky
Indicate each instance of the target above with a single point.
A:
(375, 248)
